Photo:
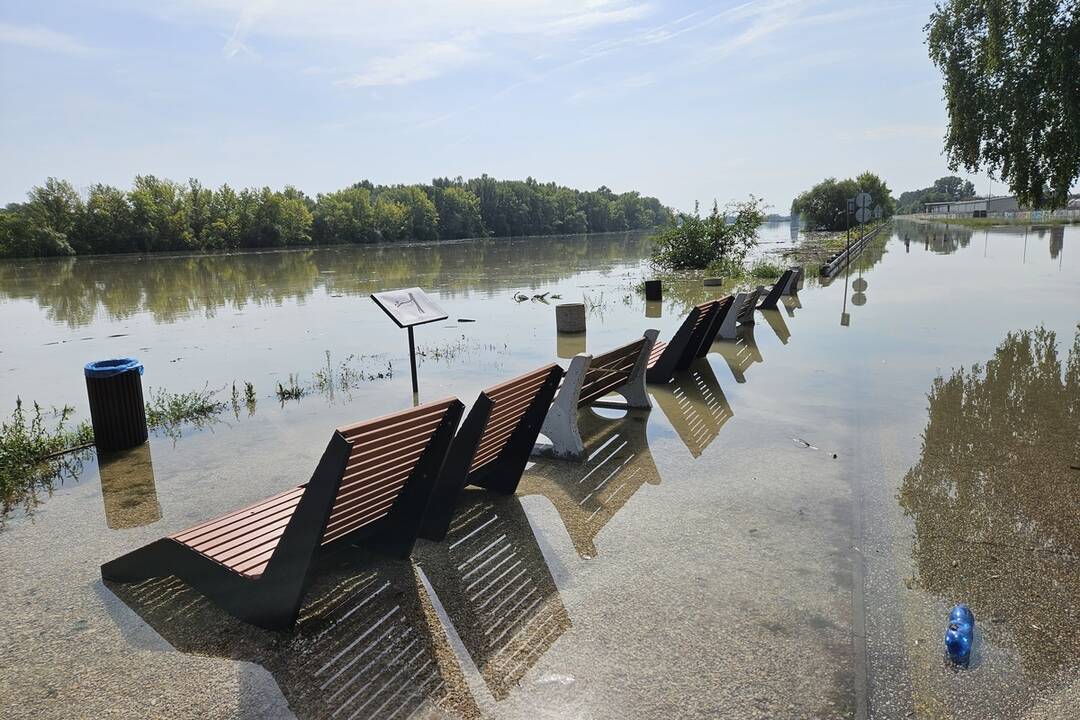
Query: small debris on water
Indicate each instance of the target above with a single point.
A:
(800, 441)
(466, 320)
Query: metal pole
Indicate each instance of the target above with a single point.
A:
(412, 360)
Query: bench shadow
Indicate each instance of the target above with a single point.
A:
(492, 580)
(694, 404)
(588, 494)
(367, 642)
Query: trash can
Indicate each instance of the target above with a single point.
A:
(117, 412)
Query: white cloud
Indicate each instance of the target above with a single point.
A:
(421, 62)
(41, 38)
(395, 43)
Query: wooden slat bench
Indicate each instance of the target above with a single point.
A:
(667, 358)
(778, 288)
(374, 482)
(588, 380)
(492, 447)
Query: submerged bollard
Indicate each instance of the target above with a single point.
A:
(712, 281)
(653, 290)
(570, 317)
(117, 412)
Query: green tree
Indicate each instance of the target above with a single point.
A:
(55, 205)
(458, 211)
(423, 223)
(1012, 91)
(344, 216)
(105, 224)
(20, 236)
(824, 206)
(392, 220)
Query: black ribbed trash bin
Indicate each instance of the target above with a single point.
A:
(117, 412)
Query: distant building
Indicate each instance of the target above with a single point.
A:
(976, 207)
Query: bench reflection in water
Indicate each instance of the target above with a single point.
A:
(695, 406)
(491, 579)
(587, 495)
(740, 353)
(367, 643)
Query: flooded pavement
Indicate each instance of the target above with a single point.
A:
(781, 536)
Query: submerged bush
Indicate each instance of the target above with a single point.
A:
(697, 243)
(35, 451)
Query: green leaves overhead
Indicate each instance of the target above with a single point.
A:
(1012, 90)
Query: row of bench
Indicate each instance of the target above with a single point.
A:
(390, 480)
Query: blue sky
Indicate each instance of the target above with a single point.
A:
(683, 100)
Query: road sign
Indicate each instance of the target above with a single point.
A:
(877, 212)
(859, 285)
(863, 200)
(862, 214)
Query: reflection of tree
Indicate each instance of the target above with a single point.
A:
(993, 492)
(74, 290)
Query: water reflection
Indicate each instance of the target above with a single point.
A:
(567, 345)
(695, 406)
(740, 353)
(995, 493)
(128, 489)
(367, 642)
(776, 322)
(73, 291)
(495, 586)
(587, 495)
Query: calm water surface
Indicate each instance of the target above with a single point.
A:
(712, 558)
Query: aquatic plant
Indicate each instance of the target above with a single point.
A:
(292, 391)
(249, 397)
(697, 242)
(35, 450)
(167, 411)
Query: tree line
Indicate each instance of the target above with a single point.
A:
(162, 215)
(945, 189)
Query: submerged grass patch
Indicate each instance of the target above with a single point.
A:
(763, 269)
(37, 448)
(167, 411)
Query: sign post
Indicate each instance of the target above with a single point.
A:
(408, 308)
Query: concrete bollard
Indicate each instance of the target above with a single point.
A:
(654, 309)
(653, 290)
(570, 317)
(713, 281)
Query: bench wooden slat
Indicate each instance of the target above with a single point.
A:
(282, 497)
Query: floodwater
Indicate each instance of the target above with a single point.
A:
(782, 535)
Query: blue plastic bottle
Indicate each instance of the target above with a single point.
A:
(958, 636)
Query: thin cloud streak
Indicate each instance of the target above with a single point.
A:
(39, 37)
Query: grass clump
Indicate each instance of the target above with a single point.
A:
(36, 448)
(168, 411)
(763, 269)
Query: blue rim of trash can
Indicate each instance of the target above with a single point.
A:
(100, 369)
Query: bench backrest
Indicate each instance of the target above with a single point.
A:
(610, 370)
(510, 401)
(721, 308)
(384, 454)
